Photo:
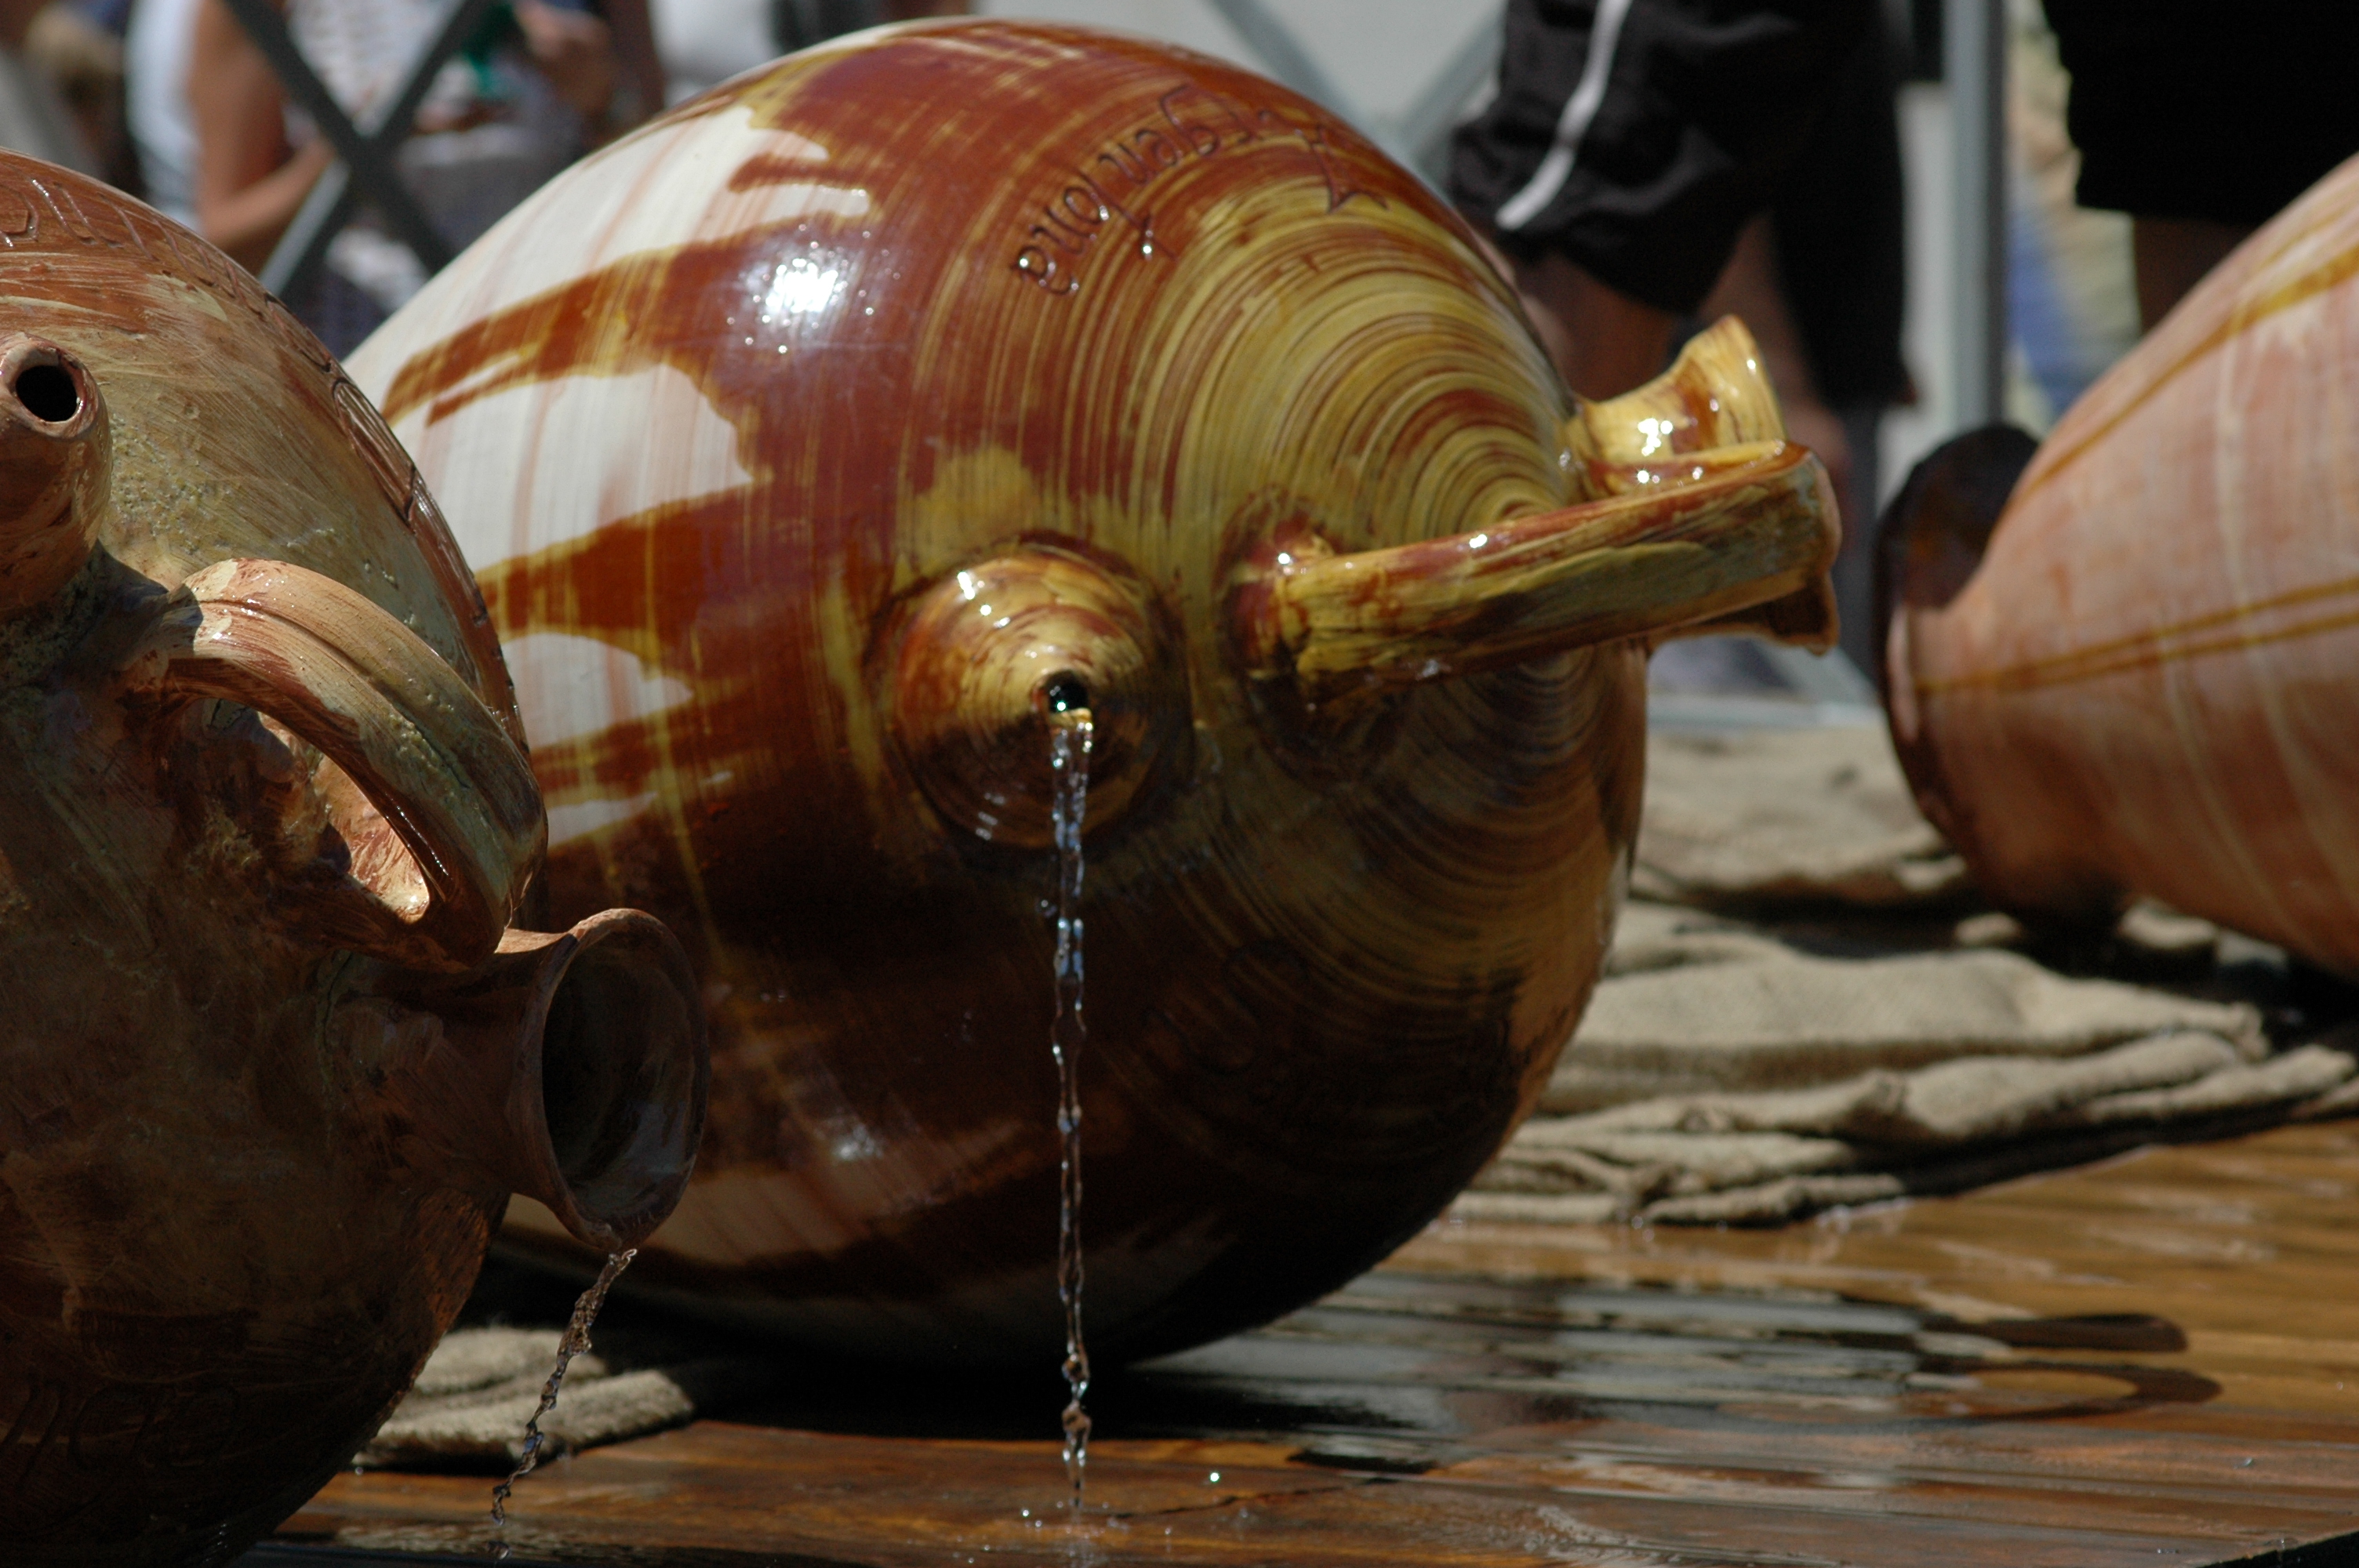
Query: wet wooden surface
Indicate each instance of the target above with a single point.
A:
(2152, 1360)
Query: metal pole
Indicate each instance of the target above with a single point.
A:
(1974, 40)
(300, 250)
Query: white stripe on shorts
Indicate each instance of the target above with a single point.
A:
(1579, 110)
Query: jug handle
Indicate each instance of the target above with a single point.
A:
(429, 759)
(1728, 530)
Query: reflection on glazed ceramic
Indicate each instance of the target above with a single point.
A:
(1128, 376)
(274, 1058)
(2138, 679)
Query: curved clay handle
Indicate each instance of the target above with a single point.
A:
(1726, 530)
(436, 769)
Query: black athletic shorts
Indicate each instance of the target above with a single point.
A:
(1637, 137)
(2196, 109)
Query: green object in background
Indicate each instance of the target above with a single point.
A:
(499, 29)
(798, 23)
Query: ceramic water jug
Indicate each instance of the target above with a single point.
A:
(816, 444)
(2124, 664)
(273, 1059)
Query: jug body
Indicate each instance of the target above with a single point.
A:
(2119, 665)
(270, 1068)
(810, 442)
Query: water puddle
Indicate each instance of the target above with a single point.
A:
(1069, 757)
(576, 1340)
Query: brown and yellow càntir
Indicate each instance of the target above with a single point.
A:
(2121, 662)
(274, 1058)
(820, 442)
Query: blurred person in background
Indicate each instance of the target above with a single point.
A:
(2200, 122)
(1821, 277)
(1627, 144)
(35, 116)
(1648, 163)
(221, 150)
(705, 42)
(78, 46)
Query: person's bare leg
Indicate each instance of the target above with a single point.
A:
(1604, 342)
(642, 67)
(16, 20)
(2172, 254)
(1751, 289)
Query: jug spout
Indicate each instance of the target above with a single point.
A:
(53, 469)
(981, 663)
(1715, 396)
(571, 1068)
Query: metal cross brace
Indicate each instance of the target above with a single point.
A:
(364, 151)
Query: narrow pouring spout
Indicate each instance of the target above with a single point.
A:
(571, 1068)
(1715, 396)
(53, 469)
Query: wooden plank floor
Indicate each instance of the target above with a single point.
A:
(2151, 1360)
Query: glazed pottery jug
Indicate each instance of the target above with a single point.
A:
(2142, 674)
(818, 443)
(273, 1059)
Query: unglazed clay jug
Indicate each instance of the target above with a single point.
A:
(813, 443)
(272, 1063)
(2142, 676)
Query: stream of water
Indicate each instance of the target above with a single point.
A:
(1068, 758)
(576, 1340)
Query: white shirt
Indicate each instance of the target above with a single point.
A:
(155, 90)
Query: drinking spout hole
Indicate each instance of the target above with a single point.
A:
(47, 392)
(1064, 692)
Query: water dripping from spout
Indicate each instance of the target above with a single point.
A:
(1069, 759)
(575, 1341)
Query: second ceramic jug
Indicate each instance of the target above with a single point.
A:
(2123, 664)
(272, 1058)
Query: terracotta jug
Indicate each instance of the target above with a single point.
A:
(273, 1060)
(816, 441)
(2137, 678)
